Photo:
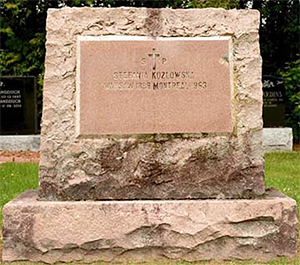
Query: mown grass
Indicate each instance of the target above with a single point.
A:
(14, 179)
(282, 172)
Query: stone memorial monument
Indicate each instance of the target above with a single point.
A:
(151, 142)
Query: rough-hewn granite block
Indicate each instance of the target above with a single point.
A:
(118, 231)
(146, 166)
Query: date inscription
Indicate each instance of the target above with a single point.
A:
(154, 81)
(10, 99)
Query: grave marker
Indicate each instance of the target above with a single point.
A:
(274, 102)
(18, 111)
(126, 163)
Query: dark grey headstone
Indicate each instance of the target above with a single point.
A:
(274, 102)
(18, 111)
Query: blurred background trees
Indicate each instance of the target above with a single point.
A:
(22, 46)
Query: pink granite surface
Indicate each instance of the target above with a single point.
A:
(137, 231)
(142, 85)
(191, 163)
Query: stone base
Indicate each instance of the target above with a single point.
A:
(278, 139)
(118, 231)
(20, 142)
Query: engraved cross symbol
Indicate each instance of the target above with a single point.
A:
(153, 55)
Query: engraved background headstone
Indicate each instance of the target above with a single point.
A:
(274, 102)
(18, 106)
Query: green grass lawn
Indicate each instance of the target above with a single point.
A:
(282, 172)
(14, 179)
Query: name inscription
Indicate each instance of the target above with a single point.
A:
(10, 98)
(154, 80)
(158, 80)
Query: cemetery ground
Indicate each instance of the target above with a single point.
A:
(282, 172)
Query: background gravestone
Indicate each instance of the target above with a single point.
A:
(274, 102)
(18, 111)
(275, 136)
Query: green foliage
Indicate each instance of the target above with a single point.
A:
(22, 48)
(227, 4)
(291, 75)
(279, 33)
(143, 3)
(279, 43)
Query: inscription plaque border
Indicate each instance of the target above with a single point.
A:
(148, 38)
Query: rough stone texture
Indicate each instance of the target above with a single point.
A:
(278, 139)
(20, 142)
(199, 165)
(118, 231)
